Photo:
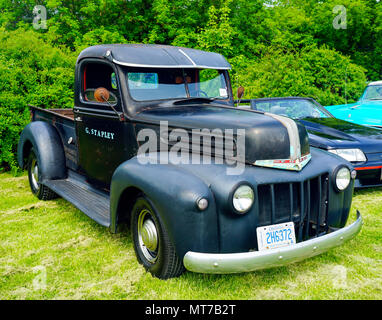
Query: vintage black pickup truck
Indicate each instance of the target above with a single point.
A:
(154, 142)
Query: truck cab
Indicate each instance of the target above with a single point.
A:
(147, 82)
(154, 141)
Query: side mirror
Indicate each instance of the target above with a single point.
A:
(240, 92)
(102, 94)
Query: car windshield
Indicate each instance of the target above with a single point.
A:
(147, 84)
(373, 93)
(292, 108)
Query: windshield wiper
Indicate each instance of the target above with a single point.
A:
(307, 117)
(375, 99)
(201, 99)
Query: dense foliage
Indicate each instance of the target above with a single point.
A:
(31, 72)
(276, 48)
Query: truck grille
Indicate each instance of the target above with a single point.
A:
(305, 203)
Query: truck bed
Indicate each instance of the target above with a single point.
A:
(63, 121)
(66, 113)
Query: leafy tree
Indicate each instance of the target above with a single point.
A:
(321, 73)
(12, 12)
(218, 33)
(359, 38)
(31, 72)
(177, 22)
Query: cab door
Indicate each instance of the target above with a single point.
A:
(100, 131)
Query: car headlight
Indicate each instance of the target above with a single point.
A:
(351, 155)
(243, 198)
(342, 178)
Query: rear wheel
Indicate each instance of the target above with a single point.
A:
(152, 245)
(40, 191)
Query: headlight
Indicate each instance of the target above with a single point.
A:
(343, 178)
(351, 155)
(243, 198)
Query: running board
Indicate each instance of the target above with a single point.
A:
(94, 203)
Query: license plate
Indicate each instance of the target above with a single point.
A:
(276, 236)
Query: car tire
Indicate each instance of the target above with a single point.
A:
(34, 175)
(153, 248)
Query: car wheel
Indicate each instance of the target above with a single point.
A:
(34, 175)
(152, 245)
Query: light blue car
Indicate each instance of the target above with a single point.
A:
(366, 111)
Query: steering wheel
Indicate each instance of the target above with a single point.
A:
(203, 93)
(90, 95)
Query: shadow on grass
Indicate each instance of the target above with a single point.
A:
(209, 282)
(220, 286)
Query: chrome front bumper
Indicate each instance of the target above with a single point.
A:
(250, 261)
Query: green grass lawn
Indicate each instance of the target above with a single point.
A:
(50, 250)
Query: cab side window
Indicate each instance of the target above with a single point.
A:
(95, 76)
(263, 106)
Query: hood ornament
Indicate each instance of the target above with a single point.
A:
(287, 164)
(296, 162)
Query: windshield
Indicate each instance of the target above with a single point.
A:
(373, 93)
(292, 108)
(147, 84)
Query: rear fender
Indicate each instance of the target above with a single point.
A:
(45, 140)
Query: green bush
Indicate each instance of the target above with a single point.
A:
(320, 73)
(31, 72)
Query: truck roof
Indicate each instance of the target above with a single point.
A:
(375, 83)
(156, 56)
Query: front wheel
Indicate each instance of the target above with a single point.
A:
(152, 245)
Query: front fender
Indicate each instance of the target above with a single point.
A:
(174, 193)
(46, 142)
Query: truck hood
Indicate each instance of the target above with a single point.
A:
(335, 133)
(270, 140)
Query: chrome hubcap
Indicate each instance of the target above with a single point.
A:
(34, 174)
(147, 236)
